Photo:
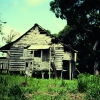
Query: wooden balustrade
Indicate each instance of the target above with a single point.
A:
(4, 65)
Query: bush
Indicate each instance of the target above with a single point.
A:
(82, 82)
(15, 93)
(3, 87)
(89, 84)
(93, 93)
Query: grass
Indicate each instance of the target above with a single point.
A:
(86, 87)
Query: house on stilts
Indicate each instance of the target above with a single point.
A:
(37, 54)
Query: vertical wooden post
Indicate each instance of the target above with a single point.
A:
(8, 66)
(73, 71)
(33, 53)
(74, 65)
(41, 55)
(70, 70)
(61, 74)
(75, 56)
(62, 69)
(32, 60)
(1, 67)
(25, 72)
(49, 62)
(42, 75)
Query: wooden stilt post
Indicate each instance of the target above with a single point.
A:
(61, 74)
(41, 55)
(25, 72)
(70, 70)
(49, 63)
(74, 65)
(42, 74)
(62, 70)
(73, 70)
(7, 67)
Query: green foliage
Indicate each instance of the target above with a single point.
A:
(3, 87)
(48, 31)
(83, 19)
(93, 90)
(93, 93)
(90, 84)
(44, 89)
(49, 89)
(9, 88)
(3, 80)
(15, 93)
(68, 33)
(55, 35)
(82, 83)
(76, 12)
(1, 25)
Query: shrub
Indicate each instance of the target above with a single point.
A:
(93, 93)
(15, 93)
(3, 87)
(82, 83)
(4, 80)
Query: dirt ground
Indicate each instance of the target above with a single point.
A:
(69, 96)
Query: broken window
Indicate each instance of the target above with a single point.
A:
(37, 53)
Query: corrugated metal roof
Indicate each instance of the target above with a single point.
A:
(39, 47)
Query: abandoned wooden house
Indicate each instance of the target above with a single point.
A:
(36, 54)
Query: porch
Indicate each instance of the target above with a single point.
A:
(4, 65)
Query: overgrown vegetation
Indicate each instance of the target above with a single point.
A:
(82, 30)
(86, 87)
(90, 84)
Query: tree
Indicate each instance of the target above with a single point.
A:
(10, 37)
(1, 25)
(67, 34)
(48, 31)
(82, 14)
(84, 18)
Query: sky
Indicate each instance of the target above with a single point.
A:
(21, 15)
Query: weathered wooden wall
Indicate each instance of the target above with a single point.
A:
(16, 64)
(32, 38)
(57, 52)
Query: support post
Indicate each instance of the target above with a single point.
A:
(49, 63)
(74, 65)
(41, 55)
(70, 70)
(75, 56)
(61, 74)
(42, 75)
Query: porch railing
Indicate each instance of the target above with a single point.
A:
(4, 64)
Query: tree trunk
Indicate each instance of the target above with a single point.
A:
(96, 63)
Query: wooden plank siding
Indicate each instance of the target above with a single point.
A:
(16, 64)
(58, 57)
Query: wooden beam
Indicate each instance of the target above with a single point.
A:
(70, 70)
(41, 55)
(75, 56)
(42, 75)
(61, 74)
(49, 62)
